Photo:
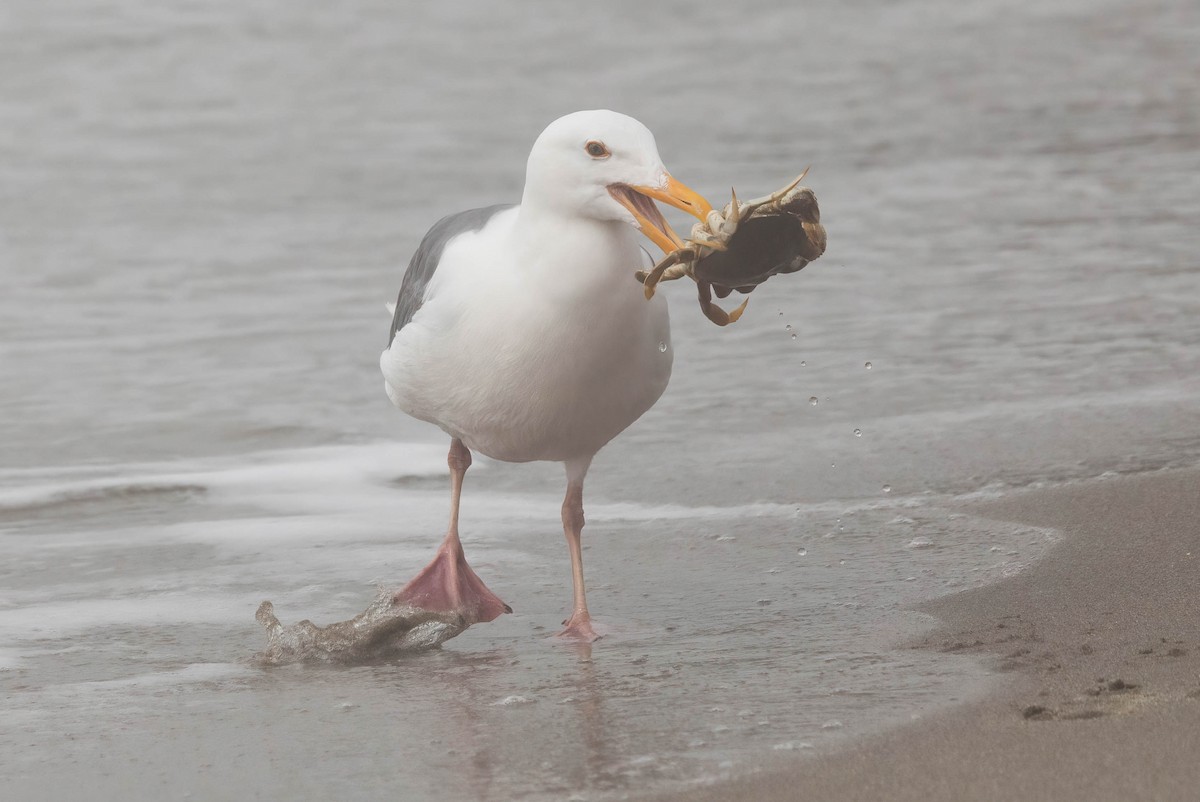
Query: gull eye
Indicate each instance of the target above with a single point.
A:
(597, 150)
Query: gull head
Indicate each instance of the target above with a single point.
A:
(605, 166)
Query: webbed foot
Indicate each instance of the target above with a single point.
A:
(448, 585)
(579, 628)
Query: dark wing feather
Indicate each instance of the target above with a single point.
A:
(425, 261)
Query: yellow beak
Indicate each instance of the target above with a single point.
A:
(649, 219)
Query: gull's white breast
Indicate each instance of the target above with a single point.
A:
(534, 342)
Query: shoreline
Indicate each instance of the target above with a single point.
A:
(1096, 648)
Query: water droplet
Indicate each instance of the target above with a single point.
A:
(813, 400)
(802, 552)
(833, 465)
(858, 432)
(803, 364)
(867, 366)
(793, 335)
(662, 346)
(887, 488)
(788, 327)
(781, 313)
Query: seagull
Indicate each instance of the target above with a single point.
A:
(521, 332)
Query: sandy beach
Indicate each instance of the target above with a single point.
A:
(1097, 654)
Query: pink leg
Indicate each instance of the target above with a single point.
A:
(579, 625)
(448, 584)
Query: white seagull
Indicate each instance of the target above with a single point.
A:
(521, 332)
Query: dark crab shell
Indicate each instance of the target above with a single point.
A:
(782, 239)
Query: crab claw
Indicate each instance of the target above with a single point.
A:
(713, 312)
(737, 313)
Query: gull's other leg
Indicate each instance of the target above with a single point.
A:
(579, 625)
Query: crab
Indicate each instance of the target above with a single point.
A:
(742, 246)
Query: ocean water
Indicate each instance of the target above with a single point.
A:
(205, 206)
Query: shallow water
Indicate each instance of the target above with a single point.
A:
(205, 207)
(733, 631)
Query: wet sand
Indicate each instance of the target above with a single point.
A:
(1097, 654)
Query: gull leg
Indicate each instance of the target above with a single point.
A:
(448, 584)
(579, 625)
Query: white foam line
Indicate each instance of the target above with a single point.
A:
(322, 478)
(197, 672)
(625, 511)
(58, 619)
(293, 473)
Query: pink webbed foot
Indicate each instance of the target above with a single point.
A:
(579, 628)
(448, 585)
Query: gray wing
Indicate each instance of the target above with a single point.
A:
(425, 261)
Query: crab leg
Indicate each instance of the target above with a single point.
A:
(672, 258)
(735, 212)
(775, 197)
(676, 272)
(716, 245)
(780, 194)
(713, 312)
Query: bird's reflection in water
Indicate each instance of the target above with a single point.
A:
(486, 718)
(596, 770)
